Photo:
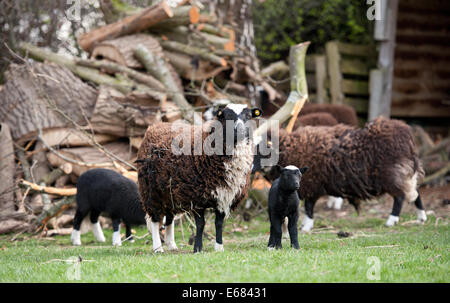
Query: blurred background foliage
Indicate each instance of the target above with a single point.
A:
(282, 23)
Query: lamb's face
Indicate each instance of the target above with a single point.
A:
(234, 118)
(290, 177)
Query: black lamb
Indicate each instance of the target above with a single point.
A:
(283, 203)
(106, 191)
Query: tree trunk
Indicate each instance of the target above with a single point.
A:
(129, 25)
(7, 168)
(29, 95)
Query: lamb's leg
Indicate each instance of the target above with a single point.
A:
(128, 234)
(116, 241)
(219, 228)
(308, 221)
(170, 233)
(200, 224)
(396, 209)
(356, 204)
(292, 227)
(153, 228)
(96, 228)
(421, 215)
(79, 216)
(271, 244)
(277, 231)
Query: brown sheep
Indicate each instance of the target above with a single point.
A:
(356, 164)
(342, 113)
(171, 183)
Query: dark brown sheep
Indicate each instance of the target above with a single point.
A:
(170, 184)
(316, 119)
(342, 113)
(356, 164)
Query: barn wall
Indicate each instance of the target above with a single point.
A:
(421, 85)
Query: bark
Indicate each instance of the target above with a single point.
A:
(129, 25)
(31, 93)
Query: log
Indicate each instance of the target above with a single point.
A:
(7, 168)
(39, 159)
(55, 174)
(112, 68)
(55, 210)
(70, 137)
(124, 85)
(184, 67)
(156, 65)
(276, 70)
(445, 143)
(129, 25)
(121, 50)
(88, 157)
(439, 174)
(193, 51)
(299, 90)
(114, 10)
(47, 189)
(11, 225)
(113, 117)
(31, 92)
(183, 15)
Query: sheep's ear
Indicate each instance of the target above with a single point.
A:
(219, 113)
(256, 112)
(279, 168)
(303, 169)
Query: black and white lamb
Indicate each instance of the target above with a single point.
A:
(283, 203)
(171, 182)
(106, 191)
(357, 164)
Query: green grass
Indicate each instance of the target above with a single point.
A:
(410, 253)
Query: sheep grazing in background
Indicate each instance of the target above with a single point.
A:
(283, 203)
(106, 191)
(342, 113)
(171, 183)
(356, 164)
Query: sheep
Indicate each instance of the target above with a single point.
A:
(102, 190)
(342, 113)
(316, 119)
(171, 183)
(356, 164)
(284, 202)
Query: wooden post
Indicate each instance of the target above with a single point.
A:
(321, 78)
(334, 71)
(385, 31)
(299, 89)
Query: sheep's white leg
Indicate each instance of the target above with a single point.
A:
(307, 223)
(153, 228)
(392, 220)
(330, 201)
(421, 215)
(75, 237)
(116, 240)
(97, 231)
(338, 203)
(170, 237)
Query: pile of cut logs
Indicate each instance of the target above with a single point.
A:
(63, 115)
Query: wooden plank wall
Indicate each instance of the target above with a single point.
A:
(348, 73)
(421, 85)
(316, 77)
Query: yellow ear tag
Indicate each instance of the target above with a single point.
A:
(257, 113)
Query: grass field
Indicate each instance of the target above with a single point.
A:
(406, 253)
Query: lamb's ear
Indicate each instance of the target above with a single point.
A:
(256, 112)
(303, 169)
(219, 112)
